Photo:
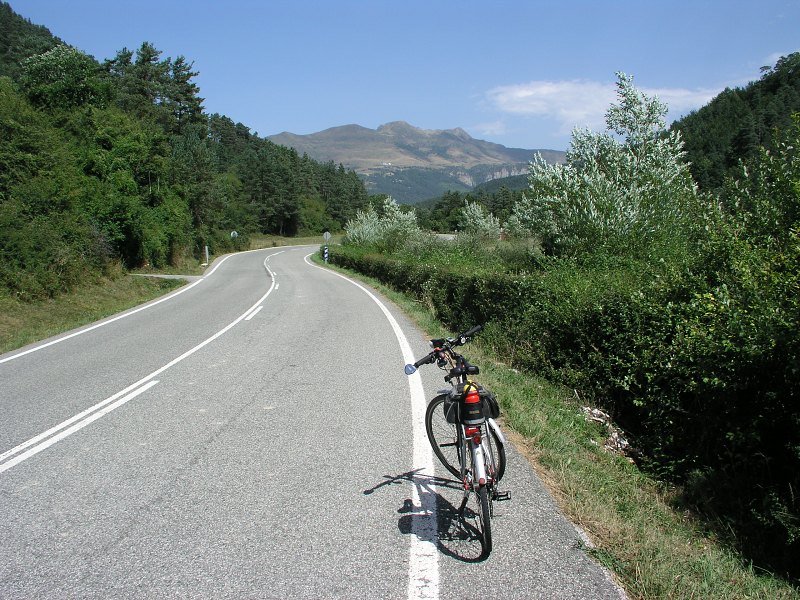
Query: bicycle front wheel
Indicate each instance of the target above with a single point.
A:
(444, 436)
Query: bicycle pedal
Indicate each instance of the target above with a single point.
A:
(502, 496)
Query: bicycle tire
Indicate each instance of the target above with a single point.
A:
(498, 451)
(444, 437)
(485, 519)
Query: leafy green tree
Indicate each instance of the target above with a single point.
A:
(476, 221)
(181, 96)
(63, 78)
(192, 177)
(522, 223)
(765, 197)
(389, 230)
(19, 40)
(314, 219)
(154, 88)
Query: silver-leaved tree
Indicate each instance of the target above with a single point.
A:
(626, 190)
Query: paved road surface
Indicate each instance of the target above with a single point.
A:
(252, 435)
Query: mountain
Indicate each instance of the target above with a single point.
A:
(19, 39)
(413, 164)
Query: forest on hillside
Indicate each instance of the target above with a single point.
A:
(734, 125)
(117, 162)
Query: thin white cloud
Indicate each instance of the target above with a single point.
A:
(582, 103)
(493, 128)
(571, 103)
(773, 58)
(681, 101)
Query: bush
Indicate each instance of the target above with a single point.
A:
(389, 231)
(628, 198)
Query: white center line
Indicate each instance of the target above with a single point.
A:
(255, 312)
(107, 408)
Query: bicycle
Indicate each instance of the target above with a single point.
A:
(463, 431)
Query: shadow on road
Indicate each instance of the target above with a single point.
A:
(455, 533)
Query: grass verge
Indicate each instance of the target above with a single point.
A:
(654, 550)
(22, 323)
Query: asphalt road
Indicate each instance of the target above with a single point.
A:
(253, 435)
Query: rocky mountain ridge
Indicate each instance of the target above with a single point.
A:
(399, 144)
(414, 164)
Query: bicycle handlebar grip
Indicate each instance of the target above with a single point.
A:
(424, 361)
(411, 369)
(472, 331)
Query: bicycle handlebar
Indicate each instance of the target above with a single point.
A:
(445, 345)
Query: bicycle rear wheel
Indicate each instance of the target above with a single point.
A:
(485, 519)
(498, 452)
(443, 435)
(476, 514)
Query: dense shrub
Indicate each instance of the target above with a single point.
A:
(387, 230)
(619, 197)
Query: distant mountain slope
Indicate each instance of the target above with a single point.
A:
(20, 39)
(403, 145)
(735, 123)
(413, 164)
(513, 183)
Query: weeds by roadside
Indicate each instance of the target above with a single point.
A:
(22, 323)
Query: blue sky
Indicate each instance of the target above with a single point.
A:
(519, 73)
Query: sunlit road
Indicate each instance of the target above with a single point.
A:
(252, 435)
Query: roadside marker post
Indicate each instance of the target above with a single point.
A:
(325, 236)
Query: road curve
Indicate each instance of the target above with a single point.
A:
(252, 436)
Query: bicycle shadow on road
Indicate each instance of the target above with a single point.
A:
(454, 535)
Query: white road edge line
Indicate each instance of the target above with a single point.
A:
(117, 318)
(134, 311)
(423, 565)
(102, 408)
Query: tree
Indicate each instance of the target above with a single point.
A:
(20, 39)
(626, 193)
(388, 231)
(522, 221)
(181, 96)
(62, 78)
(476, 221)
(730, 127)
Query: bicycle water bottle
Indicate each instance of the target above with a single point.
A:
(472, 408)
